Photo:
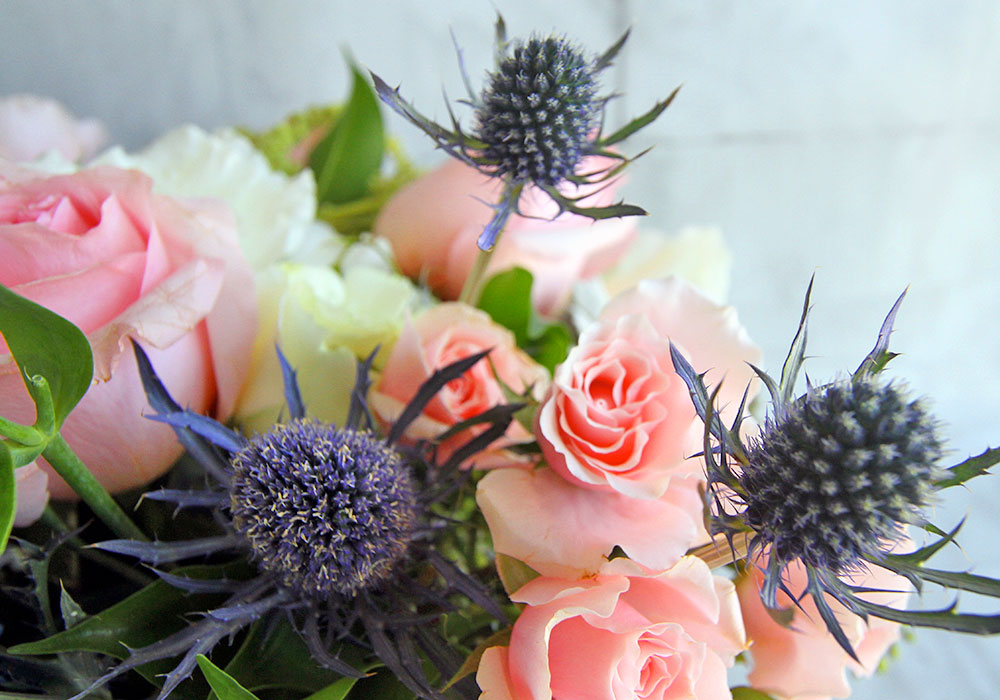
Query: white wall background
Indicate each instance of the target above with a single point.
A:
(856, 139)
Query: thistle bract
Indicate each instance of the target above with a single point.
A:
(325, 510)
(537, 112)
(833, 478)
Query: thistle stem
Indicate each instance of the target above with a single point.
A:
(474, 283)
(80, 479)
(718, 552)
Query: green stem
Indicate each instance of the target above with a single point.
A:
(473, 286)
(75, 473)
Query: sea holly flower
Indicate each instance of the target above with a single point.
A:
(829, 485)
(539, 116)
(341, 523)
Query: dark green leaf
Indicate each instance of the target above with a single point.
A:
(274, 656)
(349, 157)
(8, 496)
(606, 58)
(223, 685)
(945, 619)
(925, 553)
(382, 685)
(143, 618)
(639, 122)
(471, 664)
(47, 345)
(972, 467)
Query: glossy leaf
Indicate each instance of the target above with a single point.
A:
(47, 345)
(349, 157)
(507, 299)
(223, 685)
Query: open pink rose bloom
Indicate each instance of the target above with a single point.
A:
(625, 633)
(99, 248)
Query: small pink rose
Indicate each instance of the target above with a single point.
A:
(30, 126)
(437, 337)
(433, 224)
(625, 633)
(804, 661)
(100, 249)
(618, 417)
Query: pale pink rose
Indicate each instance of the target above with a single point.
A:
(626, 633)
(618, 417)
(31, 126)
(804, 661)
(32, 486)
(435, 338)
(433, 224)
(560, 529)
(100, 249)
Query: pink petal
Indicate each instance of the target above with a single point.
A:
(32, 494)
(560, 529)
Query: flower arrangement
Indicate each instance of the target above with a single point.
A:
(285, 418)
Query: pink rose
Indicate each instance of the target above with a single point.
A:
(804, 662)
(437, 337)
(433, 224)
(560, 529)
(32, 486)
(30, 126)
(99, 248)
(626, 633)
(618, 417)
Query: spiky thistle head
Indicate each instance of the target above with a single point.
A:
(835, 476)
(326, 510)
(536, 120)
(538, 110)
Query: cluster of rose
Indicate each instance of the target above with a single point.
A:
(503, 450)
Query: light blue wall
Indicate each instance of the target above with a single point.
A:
(856, 139)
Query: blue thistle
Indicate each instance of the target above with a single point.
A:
(831, 481)
(538, 117)
(325, 510)
(538, 111)
(341, 525)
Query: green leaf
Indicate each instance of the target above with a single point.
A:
(876, 360)
(745, 692)
(349, 157)
(513, 573)
(972, 467)
(471, 663)
(507, 299)
(946, 619)
(382, 685)
(45, 344)
(223, 685)
(796, 353)
(144, 617)
(8, 496)
(337, 690)
(274, 656)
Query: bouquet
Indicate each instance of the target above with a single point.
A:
(285, 416)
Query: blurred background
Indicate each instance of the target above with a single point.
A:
(856, 140)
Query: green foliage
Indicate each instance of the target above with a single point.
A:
(507, 299)
(273, 655)
(223, 685)
(45, 344)
(8, 496)
(972, 467)
(143, 618)
(744, 692)
(348, 158)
